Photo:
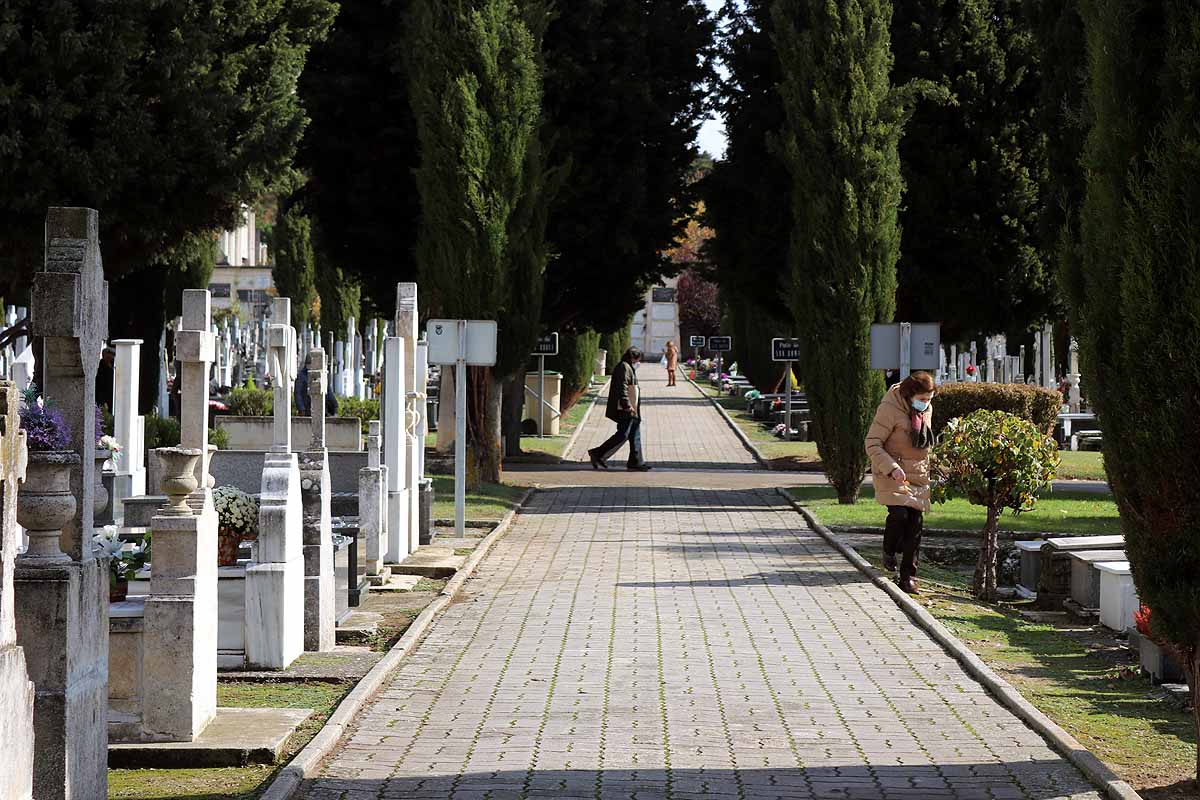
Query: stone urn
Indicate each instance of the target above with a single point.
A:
(179, 478)
(99, 493)
(45, 503)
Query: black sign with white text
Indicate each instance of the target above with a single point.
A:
(785, 349)
(546, 345)
(720, 344)
(698, 341)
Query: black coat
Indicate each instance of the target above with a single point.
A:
(621, 392)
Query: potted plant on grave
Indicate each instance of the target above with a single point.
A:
(998, 461)
(237, 515)
(1161, 660)
(123, 564)
(44, 501)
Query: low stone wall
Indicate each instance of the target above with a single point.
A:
(244, 468)
(257, 433)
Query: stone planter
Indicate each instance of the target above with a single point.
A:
(45, 503)
(229, 546)
(99, 493)
(179, 478)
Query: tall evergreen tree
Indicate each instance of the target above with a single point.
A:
(1135, 294)
(625, 91)
(970, 247)
(748, 194)
(840, 142)
(476, 92)
(294, 270)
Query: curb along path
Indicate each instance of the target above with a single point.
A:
(675, 642)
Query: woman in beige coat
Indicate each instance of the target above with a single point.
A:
(898, 443)
(672, 357)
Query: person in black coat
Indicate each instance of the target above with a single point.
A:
(625, 409)
(300, 390)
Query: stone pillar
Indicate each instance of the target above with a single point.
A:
(360, 390)
(320, 625)
(62, 605)
(414, 396)
(372, 503)
(16, 690)
(275, 577)
(422, 407)
(1074, 396)
(128, 427)
(392, 413)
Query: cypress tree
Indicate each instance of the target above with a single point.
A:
(843, 124)
(1135, 294)
(294, 270)
(475, 88)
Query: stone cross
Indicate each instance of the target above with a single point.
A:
(62, 608)
(317, 387)
(70, 310)
(282, 345)
(16, 691)
(195, 348)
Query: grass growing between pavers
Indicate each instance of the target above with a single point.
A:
(1066, 513)
(1081, 677)
(489, 503)
(801, 456)
(234, 783)
(556, 446)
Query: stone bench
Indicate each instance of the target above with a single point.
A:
(1054, 578)
(1085, 580)
(1118, 595)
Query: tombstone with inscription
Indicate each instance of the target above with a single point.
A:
(319, 614)
(16, 691)
(275, 576)
(392, 412)
(414, 398)
(61, 589)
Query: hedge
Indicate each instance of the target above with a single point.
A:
(1039, 406)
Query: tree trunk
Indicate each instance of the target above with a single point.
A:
(985, 570)
(514, 404)
(1191, 666)
(848, 491)
(445, 431)
(484, 401)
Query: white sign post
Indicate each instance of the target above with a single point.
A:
(787, 351)
(461, 342)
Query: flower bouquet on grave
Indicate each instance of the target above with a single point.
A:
(123, 563)
(44, 426)
(237, 515)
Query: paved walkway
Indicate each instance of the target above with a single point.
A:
(680, 642)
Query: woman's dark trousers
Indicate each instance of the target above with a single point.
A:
(629, 430)
(902, 534)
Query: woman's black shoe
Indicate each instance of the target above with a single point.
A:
(889, 562)
(596, 462)
(639, 467)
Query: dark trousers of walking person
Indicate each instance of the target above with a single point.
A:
(902, 534)
(629, 430)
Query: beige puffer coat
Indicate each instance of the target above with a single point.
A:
(889, 444)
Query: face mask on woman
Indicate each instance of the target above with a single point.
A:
(920, 405)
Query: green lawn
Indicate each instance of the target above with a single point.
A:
(491, 502)
(556, 445)
(798, 455)
(1079, 678)
(1068, 513)
(236, 783)
(1081, 466)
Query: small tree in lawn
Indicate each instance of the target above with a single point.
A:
(998, 461)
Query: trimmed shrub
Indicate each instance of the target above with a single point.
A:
(251, 401)
(576, 360)
(615, 344)
(365, 410)
(1032, 403)
(219, 437)
(161, 431)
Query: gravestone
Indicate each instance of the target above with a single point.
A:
(392, 408)
(1074, 397)
(414, 399)
(180, 640)
(320, 627)
(128, 426)
(62, 602)
(275, 576)
(372, 505)
(16, 690)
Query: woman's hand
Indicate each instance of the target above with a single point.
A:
(898, 475)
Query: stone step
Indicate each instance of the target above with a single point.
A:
(431, 561)
(381, 579)
(237, 737)
(358, 627)
(398, 583)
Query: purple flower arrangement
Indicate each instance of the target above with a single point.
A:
(44, 426)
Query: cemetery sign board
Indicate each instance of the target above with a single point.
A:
(785, 349)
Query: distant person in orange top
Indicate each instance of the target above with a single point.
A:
(672, 356)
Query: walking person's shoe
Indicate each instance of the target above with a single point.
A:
(889, 562)
(639, 467)
(597, 462)
(909, 586)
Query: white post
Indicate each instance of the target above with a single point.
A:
(460, 433)
(905, 351)
(130, 479)
(541, 397)
(392, 410)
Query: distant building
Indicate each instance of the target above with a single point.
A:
(242, 272)
(658, 322)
